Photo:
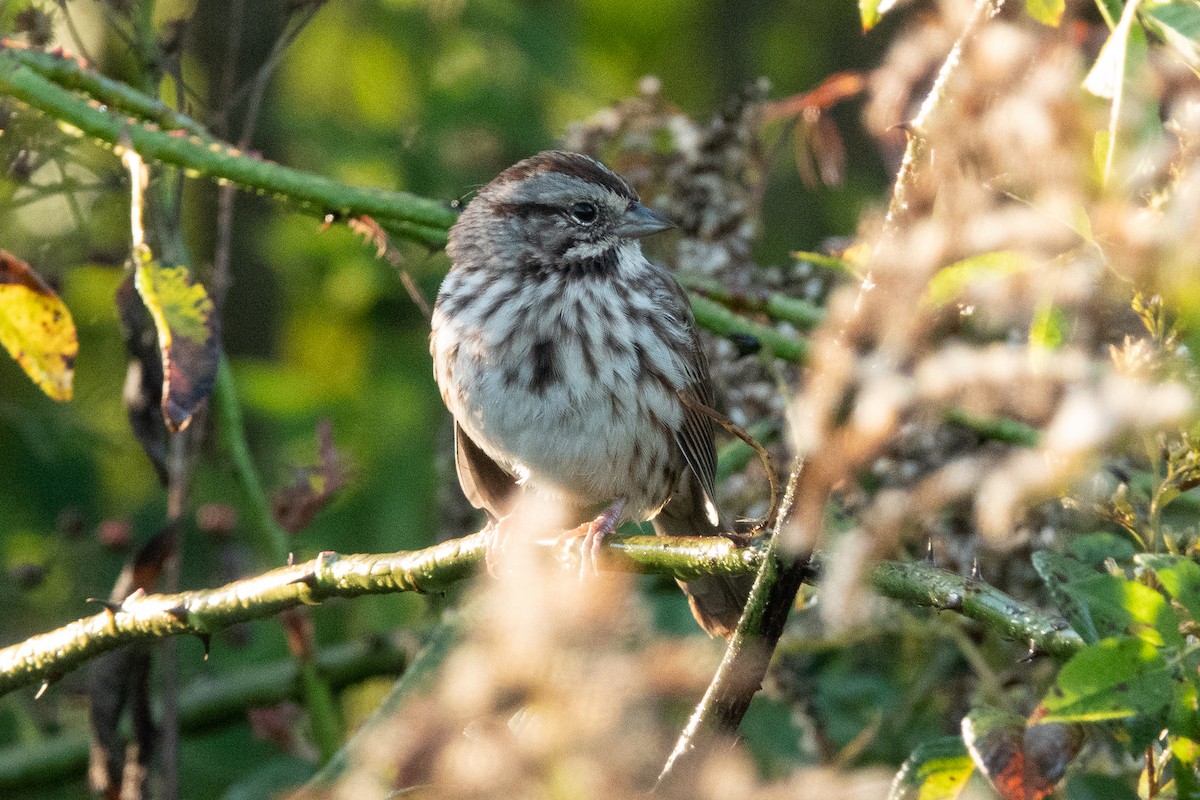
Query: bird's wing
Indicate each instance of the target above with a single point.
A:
(483, 481)
(695, 435)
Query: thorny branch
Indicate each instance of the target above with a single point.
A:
(48, 656)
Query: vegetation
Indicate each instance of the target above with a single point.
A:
(946, 255)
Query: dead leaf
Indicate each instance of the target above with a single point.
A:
(1023, 759)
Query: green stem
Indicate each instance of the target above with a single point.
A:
(418, 675)
(996, 429)
(923, 584)
(775, 305)
(71, 74)
(406, 215)
(714, 317)
(270, 540)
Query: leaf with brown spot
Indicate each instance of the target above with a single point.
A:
(36, 328)
(1023, 759)
(185, 320)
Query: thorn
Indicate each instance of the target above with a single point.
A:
(109, 606)
(975, 569)
(309, 579)
(929, 553)
(42, 689)
(1034, 652)
(291, 559)
(206, 640)
(179, 612)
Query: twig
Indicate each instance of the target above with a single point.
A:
(70, 73)
(982, 11)
(748, 653)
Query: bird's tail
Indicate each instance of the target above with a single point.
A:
(717, 601)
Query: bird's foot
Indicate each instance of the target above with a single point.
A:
(593, 534)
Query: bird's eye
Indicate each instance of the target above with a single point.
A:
(584, 212)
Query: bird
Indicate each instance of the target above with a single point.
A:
(572, 366)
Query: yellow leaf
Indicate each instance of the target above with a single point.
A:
(953, 280)
(1047, 12)
(36, 328)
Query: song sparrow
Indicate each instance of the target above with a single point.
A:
(562, 353)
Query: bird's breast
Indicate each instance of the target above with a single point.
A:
(568, 384)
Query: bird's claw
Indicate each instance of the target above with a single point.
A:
(593, 534)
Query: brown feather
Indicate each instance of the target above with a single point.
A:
(484, 482)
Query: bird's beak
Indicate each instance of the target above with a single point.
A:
(640, 221)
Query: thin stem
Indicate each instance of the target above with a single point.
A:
(748, 654)
(916, 129)
(270, 540)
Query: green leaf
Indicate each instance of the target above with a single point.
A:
(1180, 576)
(1185, 757)
(1182, 720)
(1090, 786)
(868, 10)
(1093, 548)
(1178, 24)
(1047, 12)
(1187, 785)
(871, 11)
(952, 281)
(186, 325)
(1100, 605)
(937, 770)
(1113, 679)
(1048, 328)
(36, 328)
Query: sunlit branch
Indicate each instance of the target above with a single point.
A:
(48, 656)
